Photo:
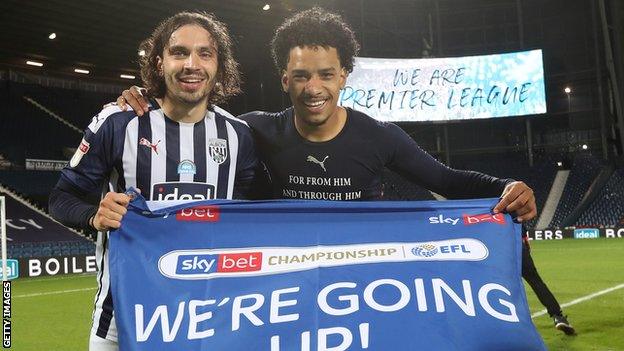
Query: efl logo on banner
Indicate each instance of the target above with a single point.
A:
(484, 218)
(199, 214)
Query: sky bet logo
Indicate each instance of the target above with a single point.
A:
(182, 191)
(470, 219)
(498, 218)
(221, 263)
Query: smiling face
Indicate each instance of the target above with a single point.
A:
(313, 79)
(189, 65)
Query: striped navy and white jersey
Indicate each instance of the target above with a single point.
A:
(167, 160)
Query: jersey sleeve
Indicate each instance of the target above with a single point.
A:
(70, 208)
(257, 186)
(90, 165)
(411, 161)
(94, 158)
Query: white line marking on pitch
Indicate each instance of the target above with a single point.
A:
(581, 299)
(53, 292)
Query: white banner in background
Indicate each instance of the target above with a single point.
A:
(443, 89)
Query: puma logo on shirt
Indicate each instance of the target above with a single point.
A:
(320, 163)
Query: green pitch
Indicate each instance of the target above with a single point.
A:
(573, 269)
(55, 313)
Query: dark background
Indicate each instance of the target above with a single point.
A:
(104, 37)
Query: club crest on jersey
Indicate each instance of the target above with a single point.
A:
(217, 148)
(82, 149)
(186, 167)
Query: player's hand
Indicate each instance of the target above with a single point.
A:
(135, 98)
(519, 199)
(111, 210)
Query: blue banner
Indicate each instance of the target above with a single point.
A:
(296, 275)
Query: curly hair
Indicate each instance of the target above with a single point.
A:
(314, 27)
(228, 77)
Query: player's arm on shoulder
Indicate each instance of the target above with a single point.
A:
(135, 98)
(252, 180)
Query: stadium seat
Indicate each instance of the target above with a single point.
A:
(608, 208)
(584, 170)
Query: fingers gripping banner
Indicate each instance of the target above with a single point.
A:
(294, 275)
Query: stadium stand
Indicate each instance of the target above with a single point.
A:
(509, 165)
(35, 185)
(76, 106)
(505, 165)
(584, 170)
(28, 132)
(608, 208)
(50, 248)
(33, 233)
(4, 163)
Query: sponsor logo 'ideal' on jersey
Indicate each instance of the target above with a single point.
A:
(170, 191)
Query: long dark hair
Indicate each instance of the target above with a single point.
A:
(228, 76)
